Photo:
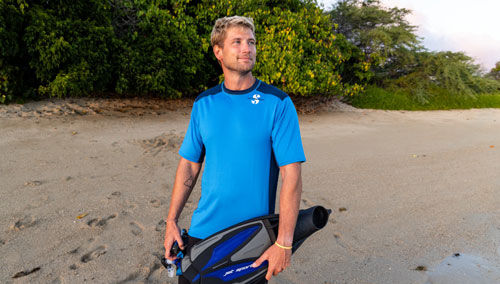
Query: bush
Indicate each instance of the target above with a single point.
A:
(451, 71)
(296, 49)
(442, 99)
(379, 35)
(161, 50)
(70, 46)
(16, 78)
(75, 48)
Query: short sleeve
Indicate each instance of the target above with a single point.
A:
(286, 139)
(192, 148)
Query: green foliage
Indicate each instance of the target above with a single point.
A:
(398, 61)
(16, 78)
(382, 35)
(70, 45)
(161, 51)
(494, 72)
(386, 40)
(379, 98)
(61, 48)
(296, 50)
(356, 68)
(71, 48)
(453, 71)
(74, 48)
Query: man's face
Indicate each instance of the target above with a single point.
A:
(239, 51)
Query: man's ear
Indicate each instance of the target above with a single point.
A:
(218, 52)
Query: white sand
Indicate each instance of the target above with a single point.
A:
(417, 187)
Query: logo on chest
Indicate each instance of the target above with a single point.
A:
(255, 99)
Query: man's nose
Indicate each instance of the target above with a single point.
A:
(245, 47)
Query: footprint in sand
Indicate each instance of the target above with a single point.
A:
(164, 142)
(154, 272)
(130, 205)
(98, 222)
(136, 228)
(92, 255)
(157, 255)
(131, 278)
(339, 240)
(115, 194)
(23, 223)
(74, 251)
(307, 201)
(117, 147)
(155, 203)
(161, 226)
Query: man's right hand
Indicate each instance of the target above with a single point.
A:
(185, 179)
(172, 234)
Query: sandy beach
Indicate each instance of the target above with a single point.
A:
(85, 186)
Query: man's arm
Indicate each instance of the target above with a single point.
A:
(185, 179)
(291, 190)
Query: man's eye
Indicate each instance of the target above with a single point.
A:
(236, 41)
(251, 42)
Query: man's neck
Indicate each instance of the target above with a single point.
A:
(239, 83)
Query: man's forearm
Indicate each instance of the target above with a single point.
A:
(185, 179)
(291, 191)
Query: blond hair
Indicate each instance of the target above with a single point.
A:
(222, 24)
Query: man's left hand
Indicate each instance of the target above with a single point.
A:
(278, 260)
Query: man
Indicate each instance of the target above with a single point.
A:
(246, 131)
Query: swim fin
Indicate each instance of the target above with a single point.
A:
(226, 257)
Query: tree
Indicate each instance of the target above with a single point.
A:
(76, 48)
(160, 52)
(494, 72)
(454, 72)
(70, 46)
(16, 77)
(296, 49)
(382, 34)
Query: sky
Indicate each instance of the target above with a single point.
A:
(472, 27)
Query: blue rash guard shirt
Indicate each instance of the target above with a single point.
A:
(244, 137)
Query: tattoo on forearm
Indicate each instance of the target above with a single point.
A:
(189, 183)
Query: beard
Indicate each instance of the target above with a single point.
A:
(241, 68)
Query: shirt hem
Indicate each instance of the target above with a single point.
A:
(189, 158)
(291, 162)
